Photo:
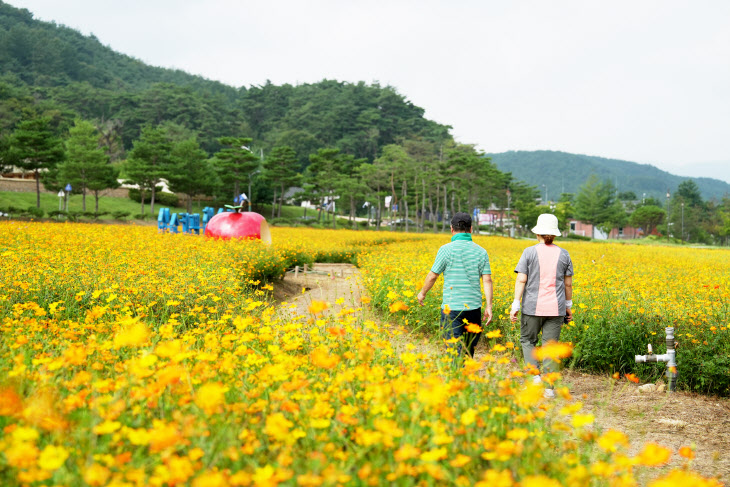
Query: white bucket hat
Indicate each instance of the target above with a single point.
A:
(547, 224)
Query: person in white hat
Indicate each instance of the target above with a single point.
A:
(545, 286)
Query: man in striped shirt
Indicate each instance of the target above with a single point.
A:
(463, 263)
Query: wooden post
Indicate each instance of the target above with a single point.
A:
(305, 268)
(296, 272)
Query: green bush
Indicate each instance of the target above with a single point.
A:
(56, 214)
(142, 216)
(281, 222)
(164, 199)
(573, 236)
(120, 215)
(34, 212)
(73, 215)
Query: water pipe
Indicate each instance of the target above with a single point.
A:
(670, 358)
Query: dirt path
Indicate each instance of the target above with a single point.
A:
(672, 420)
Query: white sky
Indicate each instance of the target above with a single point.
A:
(645, 81)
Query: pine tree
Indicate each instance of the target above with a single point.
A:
(236, 163)
(34, 147)
(280, 168)
(191, 173)
(86, 162)
(149, 162)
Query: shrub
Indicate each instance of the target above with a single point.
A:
(573, 236)
(142, 216)
(34, 212)
(56, 214)
(120, 215)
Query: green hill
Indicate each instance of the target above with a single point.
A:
(57, 71)
(562, 172)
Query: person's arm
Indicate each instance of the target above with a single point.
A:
(568, 281)
(488, 292)
(519, 289)
(427, 285)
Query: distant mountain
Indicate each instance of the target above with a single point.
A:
(562, 172)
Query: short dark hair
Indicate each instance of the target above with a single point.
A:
(461, 222)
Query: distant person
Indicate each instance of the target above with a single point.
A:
(463, 263)
(545, 286)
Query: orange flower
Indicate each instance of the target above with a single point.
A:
(474, 328)
(317, 307)
(398, 306)
(321, 357)
(687, 452)
(632, 378)
(10, 402)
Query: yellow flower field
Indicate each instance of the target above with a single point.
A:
(130, 358)
(623, 294)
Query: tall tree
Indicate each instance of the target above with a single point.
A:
(647, 217)
(323, 176)
(235, 163)
(34, 147)
(280, 168)
(85, 159)
(191, 173)
(597, 204)
(149, 162)
(102, 178)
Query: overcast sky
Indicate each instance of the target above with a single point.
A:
(645, 81)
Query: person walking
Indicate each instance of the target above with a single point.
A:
(463, 263)
(544, 284)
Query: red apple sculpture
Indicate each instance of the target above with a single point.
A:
(238, 225)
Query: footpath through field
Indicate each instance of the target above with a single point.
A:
(672, 420)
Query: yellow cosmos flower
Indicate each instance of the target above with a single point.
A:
(468, 417)
(612, 439)
(277, 426)
(434, 455)
(554, 351)
(653, 455)
(210, 397)
(580, 420)
(106, 427)
(680, 478)
(52, 457)
(96, 475)
(134, 334)
(539, 481)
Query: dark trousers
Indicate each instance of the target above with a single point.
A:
(453, 326)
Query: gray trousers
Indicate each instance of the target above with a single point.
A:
(530, 327)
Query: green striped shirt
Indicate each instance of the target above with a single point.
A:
(462, 263)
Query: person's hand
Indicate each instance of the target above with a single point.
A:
(513, 316)
(568, 314)
(421, 297)
(487, 318)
